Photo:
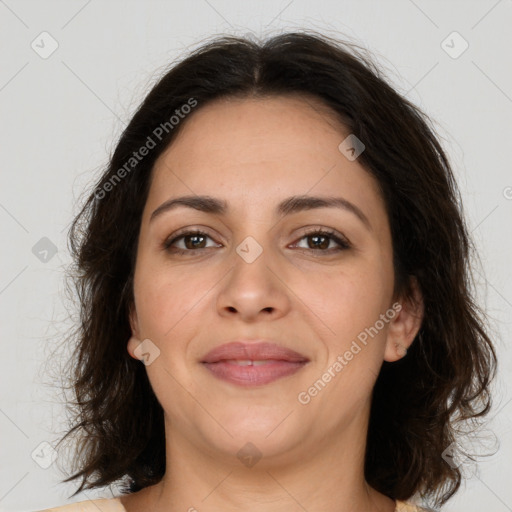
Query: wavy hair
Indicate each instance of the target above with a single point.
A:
(420, 402)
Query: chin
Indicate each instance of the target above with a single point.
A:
(271, 433)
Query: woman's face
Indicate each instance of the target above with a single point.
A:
(261, 272)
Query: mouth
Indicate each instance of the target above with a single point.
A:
(253, 364)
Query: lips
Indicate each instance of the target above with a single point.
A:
(253, 364)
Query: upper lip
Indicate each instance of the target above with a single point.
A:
(253, 351)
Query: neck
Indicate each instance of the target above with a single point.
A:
(329, 477)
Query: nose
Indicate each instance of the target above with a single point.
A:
(253, 291)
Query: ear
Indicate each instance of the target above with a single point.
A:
(134, 340)
(404, 327)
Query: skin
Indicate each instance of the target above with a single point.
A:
(253, 153)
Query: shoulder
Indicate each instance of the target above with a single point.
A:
(404, 506)
(104, 504)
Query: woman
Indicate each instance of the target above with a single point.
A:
(276, 305)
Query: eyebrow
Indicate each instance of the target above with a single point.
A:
(293, 204)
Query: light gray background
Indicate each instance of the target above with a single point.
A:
(61, 116)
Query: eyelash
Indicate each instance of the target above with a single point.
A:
(341, 241)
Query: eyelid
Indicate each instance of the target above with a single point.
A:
(321, 229)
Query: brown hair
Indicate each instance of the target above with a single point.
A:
(418, 402)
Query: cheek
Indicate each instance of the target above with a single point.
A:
(358, 292)
(168, 298)
(350, 302)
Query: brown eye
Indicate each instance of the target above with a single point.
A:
(194, 241)
(190, 241)
(318, 241)
(321, 241)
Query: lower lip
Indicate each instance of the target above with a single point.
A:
(253, 375)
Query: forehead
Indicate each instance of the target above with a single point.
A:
(253, 149)
(275, 124)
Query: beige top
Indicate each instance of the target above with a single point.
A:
(114, 505)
